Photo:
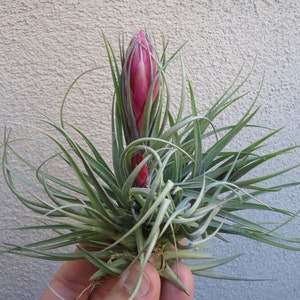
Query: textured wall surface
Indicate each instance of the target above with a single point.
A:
(45, 44)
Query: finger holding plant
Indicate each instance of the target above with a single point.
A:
(167, 183)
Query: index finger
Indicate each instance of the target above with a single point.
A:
(70, 281)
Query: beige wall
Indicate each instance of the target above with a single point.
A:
(44, 45)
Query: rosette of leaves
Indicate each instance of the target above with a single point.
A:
(194, 189)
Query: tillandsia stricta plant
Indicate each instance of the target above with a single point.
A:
(168, 181)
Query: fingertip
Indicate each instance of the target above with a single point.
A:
(152, 274)
(152, 279)
(171, 292)
(71, 280)
(148, 290)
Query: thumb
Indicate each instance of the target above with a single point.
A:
(149, 288)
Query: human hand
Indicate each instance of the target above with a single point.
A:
(71, 282)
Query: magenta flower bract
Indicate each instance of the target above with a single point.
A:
(140, 73)
(141, 179)
(140, 81)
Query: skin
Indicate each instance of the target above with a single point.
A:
(72, 280)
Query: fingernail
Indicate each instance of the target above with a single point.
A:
(131, 278)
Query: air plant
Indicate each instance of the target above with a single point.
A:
(168, 181)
